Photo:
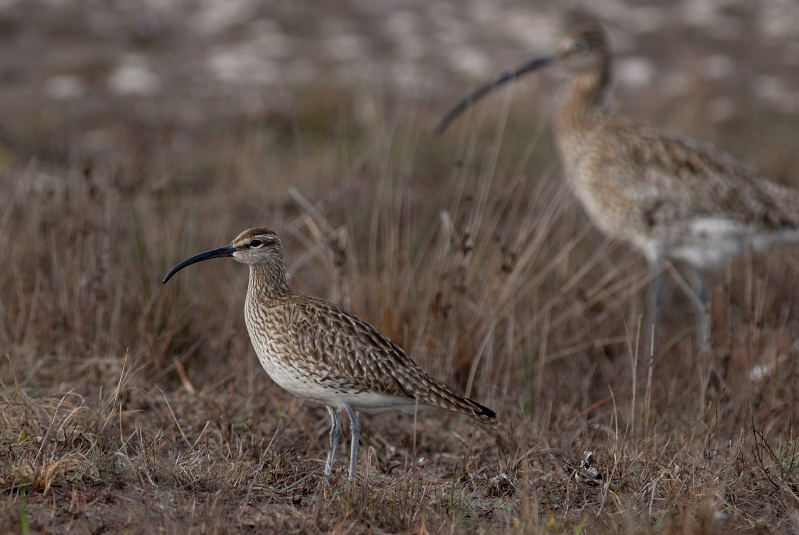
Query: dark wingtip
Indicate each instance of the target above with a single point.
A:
(482, 411)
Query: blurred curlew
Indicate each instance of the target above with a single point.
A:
(317, 351)
(667, 195)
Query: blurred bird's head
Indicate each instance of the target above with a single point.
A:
(582, 49)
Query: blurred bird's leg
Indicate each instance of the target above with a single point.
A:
(335, 434)
(355, 427)
(702, 302)
(657, 293)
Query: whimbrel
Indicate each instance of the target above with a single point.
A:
(667, 195)
(319, 352)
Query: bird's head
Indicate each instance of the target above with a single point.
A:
(254, 247)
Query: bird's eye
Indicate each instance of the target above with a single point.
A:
(256, 243)
(579, 46)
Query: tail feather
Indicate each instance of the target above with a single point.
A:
(439, 395)
(420, 385)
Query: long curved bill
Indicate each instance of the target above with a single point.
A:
(227, 250)
(480, 92)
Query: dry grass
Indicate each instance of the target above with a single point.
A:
(131, 407)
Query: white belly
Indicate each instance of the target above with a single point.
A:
(312, 382)
(709, 242)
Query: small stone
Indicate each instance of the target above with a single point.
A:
(65, 87)
(500, 485)
(589, 468)
(718, 66)
(134, 77)
(635, 71)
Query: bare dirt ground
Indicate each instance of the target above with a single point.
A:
(135, 134)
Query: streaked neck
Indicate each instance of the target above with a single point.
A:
(267, 282)
(587, 99)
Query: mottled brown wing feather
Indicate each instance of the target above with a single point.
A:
(685, 178)
(368, 359)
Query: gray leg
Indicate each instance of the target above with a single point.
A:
(702, 303)
(335, 434)
(657, 293)
(355, 427)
